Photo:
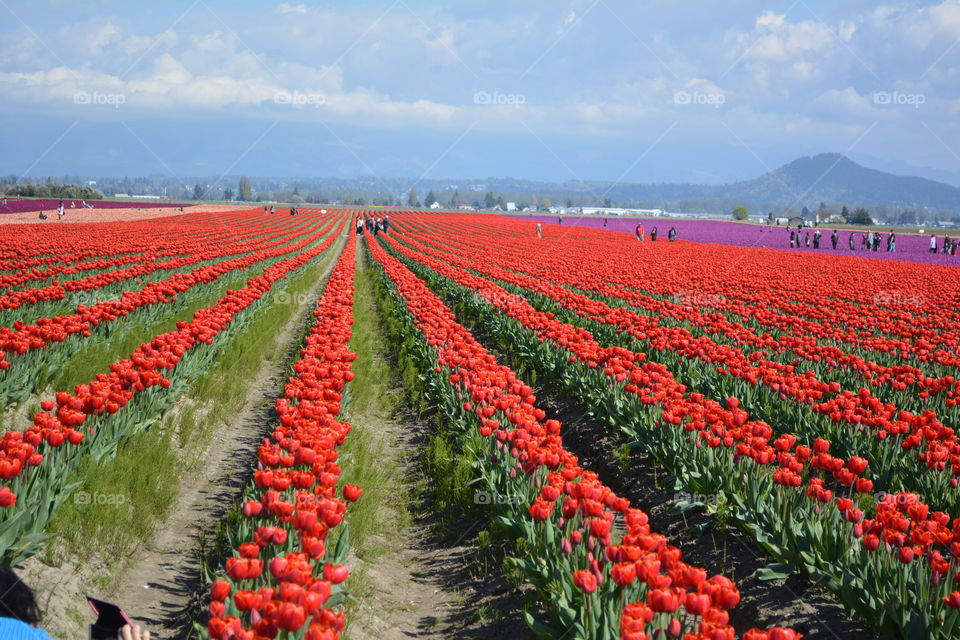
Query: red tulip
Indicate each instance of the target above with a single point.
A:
(335, 573)
(219, 590)
(352, 492)
(585, 581)
(7, 498)
(663, 600)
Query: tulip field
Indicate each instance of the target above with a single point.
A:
(811, 398)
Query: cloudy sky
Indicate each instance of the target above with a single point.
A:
(639, 91)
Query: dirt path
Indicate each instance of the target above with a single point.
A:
(411, 578)
(158, 588)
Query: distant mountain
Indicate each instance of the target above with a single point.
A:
(834, 178)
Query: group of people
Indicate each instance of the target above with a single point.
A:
(640, 233)
(868, 241)
(949, 245)
(60, 211)
(270, 210)
(373, 224)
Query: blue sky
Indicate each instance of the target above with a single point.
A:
(686, 91)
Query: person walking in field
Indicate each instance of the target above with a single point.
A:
(816, 239)
(639, 232)
(539, 231)
(891, 242)
(933, 244)
(806, 239)
(672, 234)
(834, 238)
(852, 242)
(359, 226)
(792, 238)
(604, 220)
(653, 234)
(946, 243)
(386, 224)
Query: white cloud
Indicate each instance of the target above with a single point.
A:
(292, 8)
(775, 39)
(138, 45)
(103, 37)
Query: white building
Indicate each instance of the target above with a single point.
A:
(511, 206)
(619, 211)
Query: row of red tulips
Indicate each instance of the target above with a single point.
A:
(776, 330)
(845, 415)
(865, 300)
(282, 577)
(35, 462)
(25, 337)
(39, 245)
(127, 244)
(207, 251)
(570, 520)
(902, 521)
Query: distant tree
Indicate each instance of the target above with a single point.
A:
(845, 213)
(489, 201)
(455, 201)
(569, 203)
(805, 212)
(430, 199)
(607, 202)
(412, 199)
(360, 202)
(909, 216)
(296, 191)
(501, 202)
(740, 213)
(197, 191)
(544, 204)
(53, 190)
(822, 206)
(228, 194)
(861, 216)
(245, 191)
